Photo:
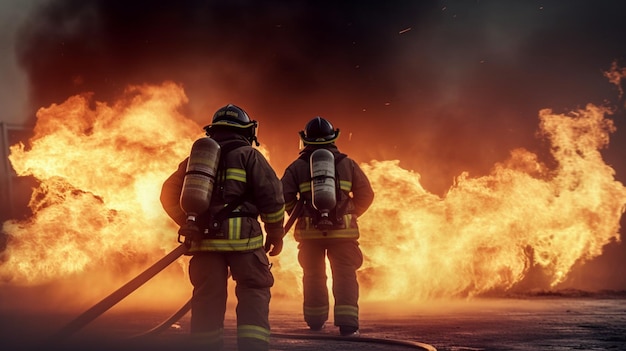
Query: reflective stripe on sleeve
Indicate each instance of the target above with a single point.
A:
(274, 216)
(304, 187)
(290, 205)
(345, 185)
(237, 174)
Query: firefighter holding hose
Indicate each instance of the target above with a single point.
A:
(327, 191)
(217, 195)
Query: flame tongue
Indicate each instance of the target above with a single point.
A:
(101, 168)
(100, 172)
(488, 232)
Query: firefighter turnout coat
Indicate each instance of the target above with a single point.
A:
(340, 243)
(244, 176)
(354, 198)
(232, 242)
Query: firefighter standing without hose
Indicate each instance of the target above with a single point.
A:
(228, 234)
(334, 192)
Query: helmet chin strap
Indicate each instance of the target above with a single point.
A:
(253, 138)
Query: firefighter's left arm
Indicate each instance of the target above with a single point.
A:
(170, 194)
(362, 192)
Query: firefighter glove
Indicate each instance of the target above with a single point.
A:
(273, 245)
(190, 231)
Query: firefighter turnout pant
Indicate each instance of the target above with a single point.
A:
(208, 272)
(345, 258)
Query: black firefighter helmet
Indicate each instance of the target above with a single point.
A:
(234, 118)
(319, 131)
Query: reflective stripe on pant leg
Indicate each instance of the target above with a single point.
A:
(347, 315)
(312, 259)
(253, 281)
(345, 258)
(252, 338)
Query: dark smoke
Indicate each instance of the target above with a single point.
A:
(457, 90)
(444, 86)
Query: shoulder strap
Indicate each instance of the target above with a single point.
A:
(226, 211)
(339, 212)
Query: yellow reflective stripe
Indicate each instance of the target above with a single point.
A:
(345, 185)
(227, 245)
(290, 205)
(351, 233)
(304, 187)
(237, 174)
(234, 228)
(253, 332)
(309, 231)
(316, 311)
(274, 216)
(347, 310)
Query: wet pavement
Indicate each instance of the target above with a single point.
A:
(546, 323)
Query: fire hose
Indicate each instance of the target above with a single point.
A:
(105, 304)
(115, 297)
(385, 341)
(187, 306)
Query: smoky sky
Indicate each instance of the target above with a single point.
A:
(458, 83)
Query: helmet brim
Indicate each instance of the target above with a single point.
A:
(230, 124)
(319, 141)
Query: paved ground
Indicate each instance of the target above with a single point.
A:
(537, 323)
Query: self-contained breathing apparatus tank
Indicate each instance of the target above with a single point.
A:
(195, 195)
(324, 197)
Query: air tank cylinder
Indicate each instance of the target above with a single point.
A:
(195, 196)
(323, 192)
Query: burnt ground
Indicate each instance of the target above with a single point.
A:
(529, 323)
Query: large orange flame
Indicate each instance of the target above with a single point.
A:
(486, 233)
(100, 169)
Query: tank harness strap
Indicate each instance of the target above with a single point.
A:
(227, 211)
(338, 212)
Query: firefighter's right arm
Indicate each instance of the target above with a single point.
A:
(290, 190)
(170, 194)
